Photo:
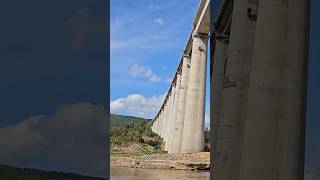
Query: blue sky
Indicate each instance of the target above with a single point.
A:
(147, 41)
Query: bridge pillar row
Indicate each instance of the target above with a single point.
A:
(174, 110)
(193, 133)
(177, 128)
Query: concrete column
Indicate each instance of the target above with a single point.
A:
(181, 100)
(166, 120)
(157, 123)
(193, 132)
(152, 126)
(174, 111)
(232, 115)
(273, 144)
(217, 78)
(163, 119)
(166, 117)
(170, 117)
(160, 122)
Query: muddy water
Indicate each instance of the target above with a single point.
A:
(156, 174)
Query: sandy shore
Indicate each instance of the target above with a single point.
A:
(188, 161)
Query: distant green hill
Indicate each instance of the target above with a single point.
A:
(14, 173)
(122, 121)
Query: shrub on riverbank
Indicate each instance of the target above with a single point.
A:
(134, 138)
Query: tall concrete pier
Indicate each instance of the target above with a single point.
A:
(181, 117)
(259, 106)
(173, 121)
(179, 124)
(235, 47)
(192, 138)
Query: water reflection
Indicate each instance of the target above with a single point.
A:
(156, 174)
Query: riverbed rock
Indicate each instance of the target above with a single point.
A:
(187, 161)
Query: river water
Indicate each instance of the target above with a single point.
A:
(156, 174)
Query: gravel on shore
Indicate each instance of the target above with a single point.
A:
(187, 161)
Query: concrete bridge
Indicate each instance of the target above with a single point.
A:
(259, 69)
(259, 73)
(180, 120)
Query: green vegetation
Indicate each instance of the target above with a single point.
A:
(14, 173)
(133, 136)
(123, 121)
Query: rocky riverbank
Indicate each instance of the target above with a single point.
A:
(188, 161)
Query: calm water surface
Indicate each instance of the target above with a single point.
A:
(156, 174)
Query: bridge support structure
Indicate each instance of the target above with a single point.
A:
(182, 113)
(259, 84)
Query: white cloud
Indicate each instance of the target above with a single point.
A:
(117, 106)
(139, 71)
(137, 105)
(159, 21)
(72, 140)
